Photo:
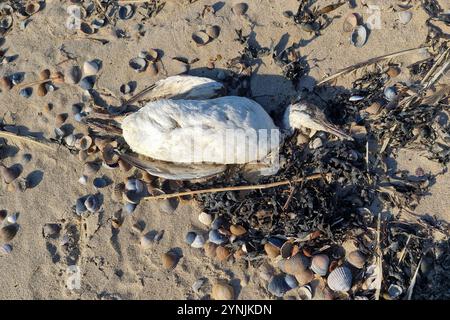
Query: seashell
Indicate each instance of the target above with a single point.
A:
(60, 119)
(190, 237)
(210, 249)
(129, 207)
(152, 69)
(222, 253)
(350, 22)
(278, 286)
(73, 75)
(240, 9)
(58, 77)
(91, 203)
(9, 174)
(44, 74)
(125, 89)
(216, 237)
(49, 87)
(199, 241)
(340, 279)
(99, 183)
(134, 185)
(205, 218)
(359, 36)
(198, 284)
(80, 207)
(87, 83)
(357, 259)
(17, 78)
(222, 291)
(126, 12)
(6, 248)
(150, 55)
(305, 292)
(319, 264)
(70, 140)
(374, 108)
(5, 83)
(217, 223)
(78, 117)
(8, 232)
(405, 16)
(31, 8)
(355, 98)
(98, 23)
(200, 38)
(26, 92)
(83, 180)
(118, 189)
(296, 264)
(271, 250)
(91, 68)
(390, 93)
(147, 240)
(169, 260)
(286, 249)
(6, 22)
(213, 31)
(237, 230)
(304, 276)
(84, 143)
(393, 72)
(51, 230)
(395, 291)
(138, 64)
(12, 218)
(90, 168)
(124, 166)
(291, 281)
(3, 215)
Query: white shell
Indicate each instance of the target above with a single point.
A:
(83, 180)
(12, 218)
(90, 68)
(194, 131)
(6, 248)
(205, 218)
(405, 16)
(340, 279)
(305, 292)
(359, 36)
(319, 264)
(199, 242)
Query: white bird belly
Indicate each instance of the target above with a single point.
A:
(227, 130)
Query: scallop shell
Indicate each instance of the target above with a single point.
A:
(6, 249)
(222, 291)
(91, 68)
(340, 279)
(240, 8)
(405, 16)
(138, 64)
(296, 264)
(9, 174)
(278, 286)
(92, 204)
(8, 232)
(350, 22)
(357, 259)
(216, 237)
(200, 38)
(213, 31)
(205, 218)
(359, 36)
(320, 263)
(169, 260)
(73, 75)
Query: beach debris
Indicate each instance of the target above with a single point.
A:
(222, 291)
(138, 64)
(240, 8)
(213, 31)
(357, 259)
(340, 279)
(195, 240)
(201, 38)
(169, 260)
(8, 232)
(51, 230)
(319, 264)
(91, 68)
(359, 36)
(350, 22)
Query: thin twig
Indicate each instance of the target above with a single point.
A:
(10, 135)
(413, 281)
(238, 188)
(402, 254)
(379, 259)
(368, 62)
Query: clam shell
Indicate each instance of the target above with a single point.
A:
(31, 8)
(340, 279)
(278, 286)
(73, 75)
(51, 230)
(117, 191)
(222, 291)
(210, 249)
(90, 168)
(92, 204)
(126, 12)
(395, 291)
(147, 240)
(5, 83)
(9, 174)
(213, 31)
(319, 264)
(124, 166)
(357, 259)
(199, 242)
(26, 92)
(240, 8)
(286, 249)
(80, 207)
(271, 250)
(205, 218)
(60, 119)
(152, 69)
(138, 64)
(296, 264)
(390, 93)
(134, 185)
(200, 38)
(169, 260)
(350, 22)
(393, 72)
(99, 183)
(217, 223)
(91, 68)
(222, 253)
(7, 233)
(291, 281)
(12, 218)
(359, 36)
(237, 230)
(84, 143)
(305, 292)
(6, 248)
(70, 140)
(405, 16)
(87, 83)
(216, 237)
(44, 74)
(304, 277)
(129, 207)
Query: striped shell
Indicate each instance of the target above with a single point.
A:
(319, 264)
(340, 279)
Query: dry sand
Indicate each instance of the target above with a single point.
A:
(116, 266)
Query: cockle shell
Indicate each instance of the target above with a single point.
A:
(7, 233)
(340, 279)
(304, 277)
(222, 253)
(210, 249)
(320, 263)
(296, 264)
(91, 68)
(195, 240)
(222, 291)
